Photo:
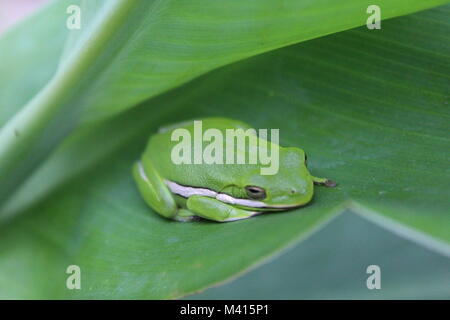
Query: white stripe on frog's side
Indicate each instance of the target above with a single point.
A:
(243, 202)
(142, 172)
(186, 192)
(251, 214)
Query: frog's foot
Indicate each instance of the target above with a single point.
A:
(324, 182)
(213, 209)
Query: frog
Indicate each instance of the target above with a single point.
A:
(220, 191)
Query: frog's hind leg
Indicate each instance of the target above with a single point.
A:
(153, 189)
(213, 209)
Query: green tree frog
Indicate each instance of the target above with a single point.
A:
(180, 182)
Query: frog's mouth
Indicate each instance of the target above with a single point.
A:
(186, 192)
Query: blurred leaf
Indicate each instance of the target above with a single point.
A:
(128, 51)
(369, 107)
(315, 269)
(24, 70)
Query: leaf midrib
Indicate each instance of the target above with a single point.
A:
(34, 117)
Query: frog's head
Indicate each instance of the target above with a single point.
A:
(292, 186)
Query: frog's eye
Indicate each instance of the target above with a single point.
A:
(306, 160)
(256, 193)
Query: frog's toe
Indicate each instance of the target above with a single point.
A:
(330, 183)
(324, 182)
(184, 215)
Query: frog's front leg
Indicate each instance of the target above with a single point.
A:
(153, 189)
(213, 209)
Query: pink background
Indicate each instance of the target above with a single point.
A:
(11, 11)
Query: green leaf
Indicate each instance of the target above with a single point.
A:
(19, 55)
(128, 51)
(369, 107)
(314, 269)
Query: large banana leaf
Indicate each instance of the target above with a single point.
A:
(128, 51)
(369, 107)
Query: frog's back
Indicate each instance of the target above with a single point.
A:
(160, 146)
(207, 123)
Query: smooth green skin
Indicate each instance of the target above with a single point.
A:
(291, 187)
